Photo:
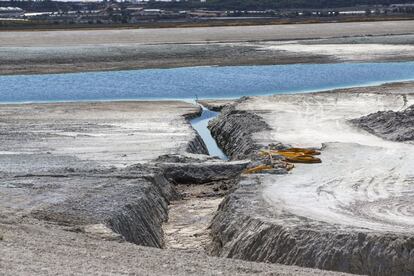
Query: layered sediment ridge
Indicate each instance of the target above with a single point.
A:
(390, 125)
(248, 228)
(350, 213)
(132, 203)
(197, 146)
(233, 131)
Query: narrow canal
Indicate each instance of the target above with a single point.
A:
(200, 124)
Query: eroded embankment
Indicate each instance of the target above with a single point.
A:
(74, 191)
(135, 207)
(233, 131)
(202, 182)
(87, 200)
(196, 145)
(390, 125)
(89, 166)
(141, 221)
(245, 228)
(250, 228)
(129, 203)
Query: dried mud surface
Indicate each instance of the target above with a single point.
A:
(350, 213)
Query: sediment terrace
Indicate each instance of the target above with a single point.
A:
(204, 34)
(87, 185)
(390, 125)
(353, 212)
(97, 134)
(94, 50)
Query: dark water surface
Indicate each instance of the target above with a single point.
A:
(205, 82)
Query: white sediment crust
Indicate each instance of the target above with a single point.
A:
(107, 133)
(363, 181)
(347, 52)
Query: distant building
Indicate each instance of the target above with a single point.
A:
(151, 12)
(402, 8)
(206, 13)
(11, 12)
(352, 12)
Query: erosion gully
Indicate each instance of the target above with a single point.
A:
(190, 216)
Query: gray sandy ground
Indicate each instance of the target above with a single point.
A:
(74, 51)
(203, 34)
(352, 212)
(84, 135)
(34, 248)
(71, 202)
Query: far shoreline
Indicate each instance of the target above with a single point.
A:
(211, 103)
(219, 22)
(179, 66)
(49, 52)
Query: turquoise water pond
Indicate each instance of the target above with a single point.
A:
(201, 82)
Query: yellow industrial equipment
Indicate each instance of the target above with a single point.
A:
(258, 169)
(294, 155)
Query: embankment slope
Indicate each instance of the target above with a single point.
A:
(350, 213)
